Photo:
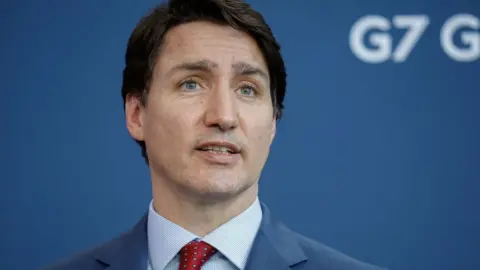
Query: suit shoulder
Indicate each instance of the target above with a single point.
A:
(82, 260)
(328, 258)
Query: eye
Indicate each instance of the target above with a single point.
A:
(190, 85)
(247, 90)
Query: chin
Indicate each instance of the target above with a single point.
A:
(218, 186)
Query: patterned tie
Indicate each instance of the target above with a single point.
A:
(194, 254)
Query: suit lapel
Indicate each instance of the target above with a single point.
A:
(264, 256)
(275, 246)
(129, 251)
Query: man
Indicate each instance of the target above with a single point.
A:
(203, 87)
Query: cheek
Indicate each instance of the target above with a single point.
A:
(261, 134)
(258, 126)
(167, 127)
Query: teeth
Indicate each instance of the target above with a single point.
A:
(220, 149)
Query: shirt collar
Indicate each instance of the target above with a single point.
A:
(165, 239)
(233, 239)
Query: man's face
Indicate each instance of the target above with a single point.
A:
(208, 123)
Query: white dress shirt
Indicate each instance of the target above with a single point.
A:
(233, 240)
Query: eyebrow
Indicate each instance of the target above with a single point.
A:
(202, 65)
(240, 68)
(243, 68)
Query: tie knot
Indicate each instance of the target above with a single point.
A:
(194, 254)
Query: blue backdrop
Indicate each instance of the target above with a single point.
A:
(379, 145)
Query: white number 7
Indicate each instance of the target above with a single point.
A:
(415, 25)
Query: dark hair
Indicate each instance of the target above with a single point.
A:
(146, 40)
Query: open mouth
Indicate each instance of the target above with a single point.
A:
(218, 149)
(220, 152)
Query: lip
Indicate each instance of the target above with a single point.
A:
(219, 158)
(235, 148)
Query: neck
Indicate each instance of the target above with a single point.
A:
(199, 214)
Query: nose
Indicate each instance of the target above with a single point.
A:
(222, 111)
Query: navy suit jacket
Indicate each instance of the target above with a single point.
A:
(275, 248)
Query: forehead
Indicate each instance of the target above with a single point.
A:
(220, 44)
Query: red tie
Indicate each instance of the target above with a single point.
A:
(194, 254)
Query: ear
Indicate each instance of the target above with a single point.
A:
(134, 111)
(273, 132)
